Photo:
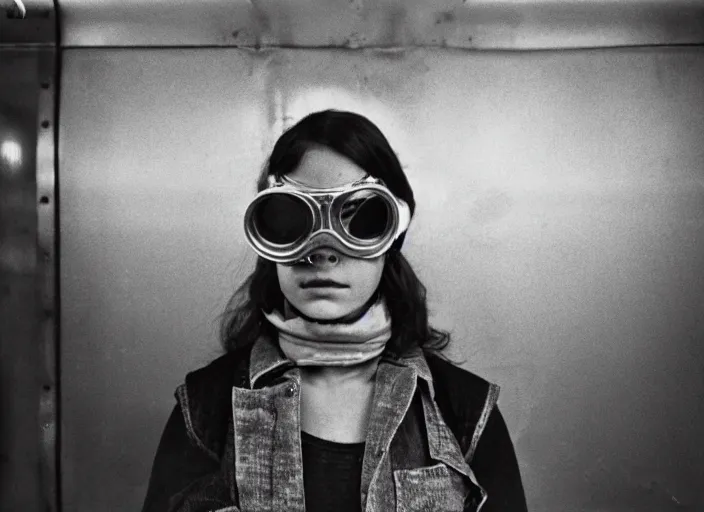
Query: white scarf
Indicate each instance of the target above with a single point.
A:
(337, 344)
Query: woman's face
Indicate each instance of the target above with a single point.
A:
(357, 278)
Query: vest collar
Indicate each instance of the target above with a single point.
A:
(267, 358)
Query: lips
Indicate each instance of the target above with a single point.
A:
(322, 283)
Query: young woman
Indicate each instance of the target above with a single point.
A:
(332, 395)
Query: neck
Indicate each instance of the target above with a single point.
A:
(290, 311)
(324, 376)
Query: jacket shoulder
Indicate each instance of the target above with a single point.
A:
(450, 372)
(220, 371)
(205, 399)
(465, 401)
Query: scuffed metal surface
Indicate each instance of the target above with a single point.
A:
(478, 24)
(29, 22)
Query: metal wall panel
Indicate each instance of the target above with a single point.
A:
(559, 230)
(20, 486)
(27, 277)
(155, 151)
(28, 363)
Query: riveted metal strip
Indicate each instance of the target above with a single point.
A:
(470, 25)
(47, 271)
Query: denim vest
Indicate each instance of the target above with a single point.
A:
(412, 460)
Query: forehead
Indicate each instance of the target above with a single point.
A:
(322, 167)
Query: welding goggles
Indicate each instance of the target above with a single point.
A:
(289, 220)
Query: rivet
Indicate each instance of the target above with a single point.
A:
(44, 200)
(45, 124)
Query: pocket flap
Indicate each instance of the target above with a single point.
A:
(438, 488)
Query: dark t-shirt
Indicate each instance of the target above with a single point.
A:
(332, 474)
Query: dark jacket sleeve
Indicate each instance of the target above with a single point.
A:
(183, 477)
(496, 467)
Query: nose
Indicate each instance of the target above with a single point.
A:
(323, 258)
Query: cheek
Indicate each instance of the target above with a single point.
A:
(368, 276)
(286, 280)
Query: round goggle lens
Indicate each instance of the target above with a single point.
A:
(366, 215)
(282, 219)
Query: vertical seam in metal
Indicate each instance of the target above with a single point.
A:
(58, 59)
(47, 275)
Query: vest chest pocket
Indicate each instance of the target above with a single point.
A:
(438, 488)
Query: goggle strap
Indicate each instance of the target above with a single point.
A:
(404, 217)
(272, 181)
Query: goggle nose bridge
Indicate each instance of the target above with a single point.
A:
(324, 202)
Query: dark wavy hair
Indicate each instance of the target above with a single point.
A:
(358, 139)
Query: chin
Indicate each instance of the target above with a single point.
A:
(323, 309)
